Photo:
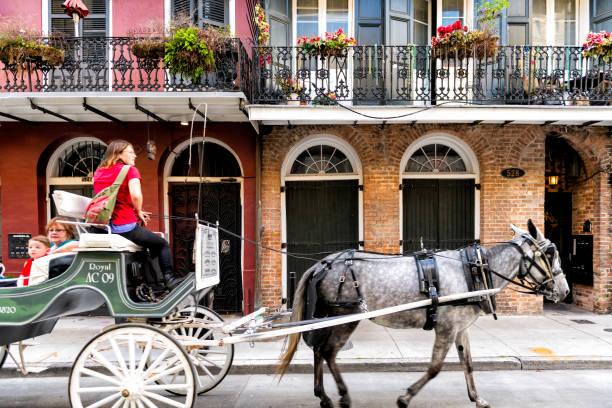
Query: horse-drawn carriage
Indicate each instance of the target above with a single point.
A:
(175, 349)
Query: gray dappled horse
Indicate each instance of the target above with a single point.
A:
(386, 280)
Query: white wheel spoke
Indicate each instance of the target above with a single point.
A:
(162, 387)
(147, 401)
(118, 355)
(209, 361)
(132, 352)
(132, 404)
(182, 331)
(145, 355)
(172, 370)
(139, 403)
(208, 373)
(118, 403)
(158, 360)
(85, 390)
(197, 332)
(106, 364)
(105, 400)
(99, 376)
(126, 404)
(163, 399)
(218, 352)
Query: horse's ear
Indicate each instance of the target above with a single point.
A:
(533, 230)
(517, 230)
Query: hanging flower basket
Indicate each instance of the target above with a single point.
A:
(148, 48)
(598, 45)
(458, 42)
(19, 51)
(334, 44)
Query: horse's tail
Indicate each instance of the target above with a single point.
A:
(299, 308)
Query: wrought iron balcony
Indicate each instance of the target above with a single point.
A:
(106, 64)
(420, 75)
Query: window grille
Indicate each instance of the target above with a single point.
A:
(435, 158)
(321, 159)
(80, 159)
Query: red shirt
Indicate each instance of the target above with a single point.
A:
(124, 212)
(25, 272)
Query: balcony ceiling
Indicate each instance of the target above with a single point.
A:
(172, 107)
(442, 114)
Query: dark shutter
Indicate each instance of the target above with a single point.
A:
(181, 7)
(369, 22)
(439, 211)
(322, 217)
(601, 15)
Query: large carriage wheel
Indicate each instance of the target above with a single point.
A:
(112, 370)
(212, 363)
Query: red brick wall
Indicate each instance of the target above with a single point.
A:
(502, 201)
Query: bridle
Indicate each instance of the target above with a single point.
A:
(540, 261)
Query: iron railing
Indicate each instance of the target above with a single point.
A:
(106, 64)
(372, 75)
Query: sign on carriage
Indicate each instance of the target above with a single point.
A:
(206, 248)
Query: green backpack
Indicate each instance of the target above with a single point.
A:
(100, 209)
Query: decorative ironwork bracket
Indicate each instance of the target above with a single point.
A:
(22, 120)
(45, 110)
(150, 114)
(97, 111)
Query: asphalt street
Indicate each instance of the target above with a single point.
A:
(502, 389)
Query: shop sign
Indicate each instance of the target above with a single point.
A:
(512, 172)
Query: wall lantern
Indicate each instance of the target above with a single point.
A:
(553, 180)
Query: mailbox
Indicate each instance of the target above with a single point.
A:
(582, 260)
(18, 245)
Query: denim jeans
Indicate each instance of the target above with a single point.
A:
(157, 246)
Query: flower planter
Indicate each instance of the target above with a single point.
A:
(293, 100)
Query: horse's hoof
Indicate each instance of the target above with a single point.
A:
(480, 403)
(403, 401)
(327, 404)
(345, 402)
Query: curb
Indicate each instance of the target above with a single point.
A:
(245, 367)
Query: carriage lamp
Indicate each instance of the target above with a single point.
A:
(553, 180)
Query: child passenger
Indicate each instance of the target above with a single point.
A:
(38, 246)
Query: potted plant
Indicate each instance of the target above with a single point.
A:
(187, 54)
(325, 98)
(293, 89)
(459, 42)
(333, 44)
(598, 46)
(20, 47)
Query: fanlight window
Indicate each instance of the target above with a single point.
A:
(435, 158)
(80, 159)
(321, 159)
(217, 162)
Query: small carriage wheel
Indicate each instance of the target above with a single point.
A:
(111, 370)
(3, 354)
(212, 363)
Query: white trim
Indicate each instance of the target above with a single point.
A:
(167, 179)
(110, 20)
(167, 11)
(294, 152)
(232, 16)
(52, 180)
(471, 164)
(44, 23)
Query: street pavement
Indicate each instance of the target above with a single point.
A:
(563, 337)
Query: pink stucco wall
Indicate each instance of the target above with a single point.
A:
(28, 11)
(242, 22)
(129, 14)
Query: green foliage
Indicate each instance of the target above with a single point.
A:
(489, 12)
(188, 54)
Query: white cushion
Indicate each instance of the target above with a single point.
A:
(69, 204)
(40, 269)
(115, 242)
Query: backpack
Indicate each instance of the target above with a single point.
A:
(100, 209)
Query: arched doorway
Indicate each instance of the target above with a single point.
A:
(71, 168)
(439, 194)
(321, 179)
(213, 187)
(566, 212)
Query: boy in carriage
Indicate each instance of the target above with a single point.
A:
(38, 246)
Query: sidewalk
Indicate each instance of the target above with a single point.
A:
(563, 337)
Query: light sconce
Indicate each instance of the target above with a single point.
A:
(553, 180)
(184, 123)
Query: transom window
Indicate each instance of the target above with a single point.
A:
(315, 17)
(435, 158)
(321, 159)
(217, 162)
(80, 159)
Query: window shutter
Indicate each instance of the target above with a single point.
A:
(213, 11)
(62, 25)
(181, 7)
(94, 27)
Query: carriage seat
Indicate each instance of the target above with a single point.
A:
(106, 242)
(49, 267)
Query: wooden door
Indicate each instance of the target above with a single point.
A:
(218, 202)
(439, 212)
(322, 217)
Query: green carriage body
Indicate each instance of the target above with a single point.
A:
(94, 278)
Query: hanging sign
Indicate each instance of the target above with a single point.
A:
(512, 172)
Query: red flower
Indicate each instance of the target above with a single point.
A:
(465, 28)
(457, 25)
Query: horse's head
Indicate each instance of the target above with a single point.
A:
(541, 264)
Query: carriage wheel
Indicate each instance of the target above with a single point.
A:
(112, 370)
(3, 354)
(212, 363)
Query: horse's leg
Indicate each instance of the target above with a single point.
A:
(462, 343)
(319, 390)
(336, 341)
(442, 344)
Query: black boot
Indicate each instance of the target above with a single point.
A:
(172, 281)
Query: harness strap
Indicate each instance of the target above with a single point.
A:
(348, 262)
